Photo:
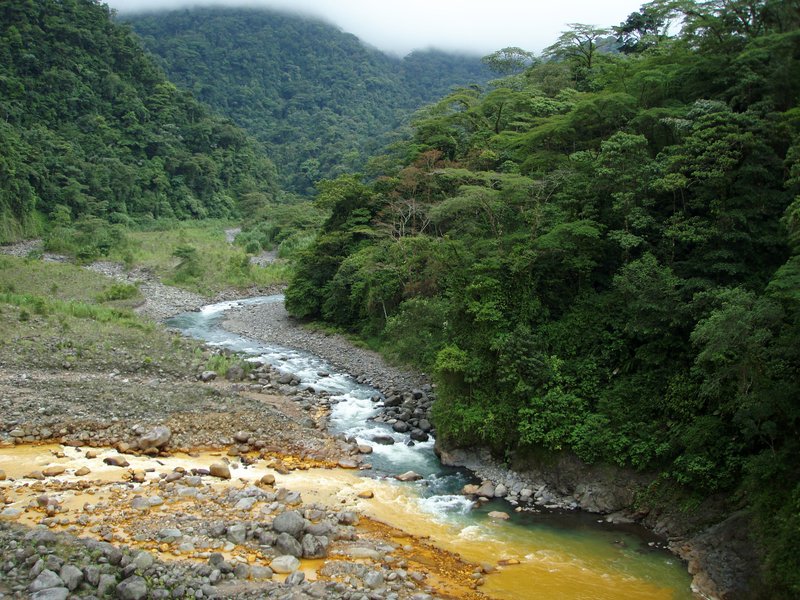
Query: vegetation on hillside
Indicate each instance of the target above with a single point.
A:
(95, 136)
(600, 253)
(318, 98)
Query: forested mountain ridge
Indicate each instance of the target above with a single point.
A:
(318, 98)
(601, 254)
(92, 129)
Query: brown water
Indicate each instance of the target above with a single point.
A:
(559, 557)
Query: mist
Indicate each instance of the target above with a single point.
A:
(466, 26)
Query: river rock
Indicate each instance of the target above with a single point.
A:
(237, 534)
(374, 579)
(10, 514)
(220, 470)
(284, 564)
(400, 427)
(364, 449)
(116, 461)
(286, 544)
(71, 575)
(500, 491)
(2, 475)
(486, 490)
(54, 471)
(158, 437)
(133, 588)
(470, 489)
(366, 494)
(143, 561)
(419, 436)
(384, 440)
(57, 593)
(46, 579)
(408, 476)
(268, 479)
(83, 471)
(314, 546)
(291, 522)
(235, 373)
(499, 514)
(347, 463)
(207, 376)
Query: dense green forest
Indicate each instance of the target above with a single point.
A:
(93, 132)
(319, 99)
(600, 253)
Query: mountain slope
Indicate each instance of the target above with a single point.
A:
(317, 97)
(92, 127)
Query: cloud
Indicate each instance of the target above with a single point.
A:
(399, 26)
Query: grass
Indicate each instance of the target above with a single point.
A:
(52, 316)
(62, 281)
(217, 264)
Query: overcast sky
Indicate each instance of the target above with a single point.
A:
(399, 26)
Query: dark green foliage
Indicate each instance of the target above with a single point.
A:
(92, 130)
(319, 99)
(605, 263)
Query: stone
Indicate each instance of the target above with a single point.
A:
(220, 470)
(400, 426)
(384, 440)
(235, 373)
(268, 479)
(315, 546)
(499, 514)
(57, 593)
(237, 534)
(83, 471)
(259, 572)
(291, 522)
(143, 561)
(425, 425)
(10, 514)
(500, 491)
(419, 436)
(366, 494)
(133, 588)
(364, 449)
(486, 490)
(106, 585)
(296, 578)
(408, 476)
(284, 564)
(2, 475)
(45, 580)
(374, 579)
(347, 517)
(158, 437)
(38, 475)
(362, 552)
(470, 489)
(170, 534)
(245, 504)
(116, 461)
(286, 544)
(207, 376)
(347, 463)
(71, 575)
(54, 471)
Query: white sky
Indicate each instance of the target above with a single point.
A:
(399, 26)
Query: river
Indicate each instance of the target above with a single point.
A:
(562, 554)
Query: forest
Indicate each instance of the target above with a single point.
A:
(598, 253)
(319, 100)
(95, 137)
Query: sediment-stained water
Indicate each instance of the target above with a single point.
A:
(570, 555)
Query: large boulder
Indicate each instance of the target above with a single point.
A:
(158, 437)
(291, 522)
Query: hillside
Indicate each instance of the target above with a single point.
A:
(318, 98)
(92, 129)
(600, 256)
